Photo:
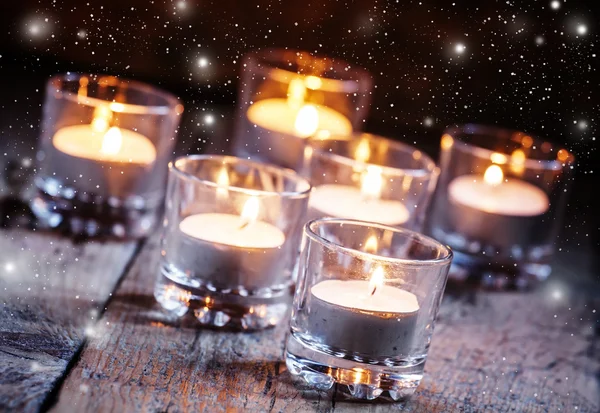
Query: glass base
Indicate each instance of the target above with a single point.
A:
(490, 274)
(90, 216)
(237, 310)
(358, 380)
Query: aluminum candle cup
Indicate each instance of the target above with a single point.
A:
(287, 96)
(103, 153)
(369, 178)
(499, 204)
(230, 240)
(364, 308)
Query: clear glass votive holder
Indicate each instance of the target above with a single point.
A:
(287, 96)
(365, 305)
(369, 178)
(499, 204)
(230, 240)
(103, 152)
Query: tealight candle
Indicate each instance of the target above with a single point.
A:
(363, 204)
(101, 160)
(282, 124)
(361, 316)
(494, 194)
(230, 240)
(364, 308)
(231, 251)
(495, 209)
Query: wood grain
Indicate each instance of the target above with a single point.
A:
(491, 352)
(52, 293)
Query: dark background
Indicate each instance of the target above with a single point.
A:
(525, 65)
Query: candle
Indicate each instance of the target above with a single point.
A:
(282, 124)
(237, 231)
(366, 317)
(496, 210)
(364, 203)
(494, 194)
(115, 145)
(98, 159)
(230, 251)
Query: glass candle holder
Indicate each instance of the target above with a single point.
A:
(230, 242)
(369, 178)
(499, 204)
(103, 152)
(287, 96)
(364, 308)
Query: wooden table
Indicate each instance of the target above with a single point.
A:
(81, 331)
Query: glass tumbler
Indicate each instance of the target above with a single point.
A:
(364, 309)
(499, 204)
(230, 240)
(103, 152)
(287, 96)
(369, 178)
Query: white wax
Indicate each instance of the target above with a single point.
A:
(226, 229)
(355, 295)
(344, 201)
(83, 142)
(512, 197)
(279, 116)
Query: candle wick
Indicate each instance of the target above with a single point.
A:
(374, 289)
(244, 224)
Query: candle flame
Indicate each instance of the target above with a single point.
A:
(447, 141)
(498, 158)
(102, 117)
(363, 151)
(377, 280)
(296, 92)
(493, 175)
(222, 183)
(307, 121)
(112, 141)
(313, 82)
(250, 211)
(371, 244)
(372, 182)
(517, 161)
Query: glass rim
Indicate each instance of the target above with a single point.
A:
(426, 240)
(54, 85)
(285, 172)
(458, 131)
(358, 80)
(429, 166)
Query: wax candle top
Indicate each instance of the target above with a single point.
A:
(228, 229)
(280, 116)
(494, 194)
(356, 295)
(112, 145)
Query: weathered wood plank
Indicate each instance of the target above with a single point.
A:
(491, 352)
(51, 291)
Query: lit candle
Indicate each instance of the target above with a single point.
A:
(368, 317)
(230, 251)
(495, 210)
(494, 194)
(99, 159)
(282, 124)
(364, 203)
(243, 231)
